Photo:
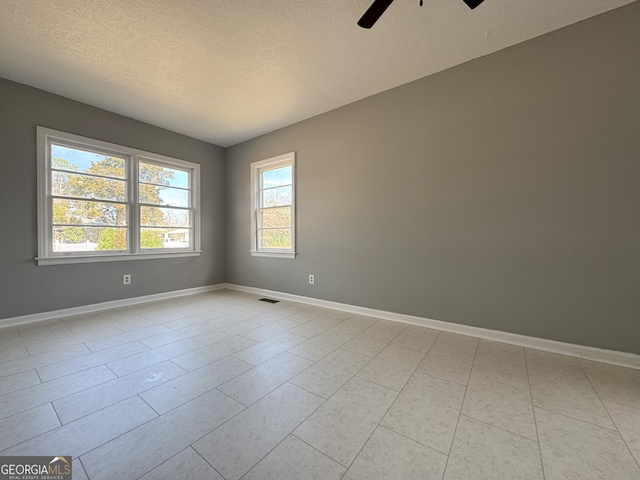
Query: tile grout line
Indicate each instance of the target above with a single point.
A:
(117, 376)
(502, 428)
(600, 399)
(464, 397)
(228, 420)
(143, 401)
(330, 353)
(502, 373)
(484, 422)
(60, 398)
(39, 377)
(324, 401)
(414, 440)
(98, 385)
(399, 392)
(117, 436)
(23, 388)
(622, 404)
(535, 420)
(394, 400)
(37, 435)
(66, 424)
(207, 462)
(637, 460)
(83, 469)
(87, 368)
(599, 426)
(95, 411)
(614, 431)
(314, 363)
(57, 416)
(44, 353)
(615, 427)
(319, 451)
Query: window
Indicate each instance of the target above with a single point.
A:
(103, 202)
(273, 207)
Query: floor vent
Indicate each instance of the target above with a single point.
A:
(268, 300)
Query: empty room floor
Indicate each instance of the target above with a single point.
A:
(222, 385)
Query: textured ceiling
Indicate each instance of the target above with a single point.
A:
(225, 71)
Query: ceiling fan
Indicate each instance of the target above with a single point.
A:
(378, 7)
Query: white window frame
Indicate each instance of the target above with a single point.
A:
(256, 168)
(46, 255)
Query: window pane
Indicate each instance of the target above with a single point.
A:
(276, 177)
(280, 238)
(74, 185)
(274, 197)
(89, 239)
(158, 195)
(149, 173)
(165, 238)
(164, 217)
(86, 212)
(77, 160)
(275, 217)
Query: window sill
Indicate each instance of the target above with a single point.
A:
(257, 253)
(69, 259)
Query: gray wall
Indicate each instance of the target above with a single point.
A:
(26, 288)
(503, 193)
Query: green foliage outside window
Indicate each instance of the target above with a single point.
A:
(151, 239)
(112, 239)
(80, 220)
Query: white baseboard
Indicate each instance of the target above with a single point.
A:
(579, 351)
(96, 307)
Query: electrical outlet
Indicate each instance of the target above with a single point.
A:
(312, 279)
(126, 279)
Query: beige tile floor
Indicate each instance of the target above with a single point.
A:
(223, 386)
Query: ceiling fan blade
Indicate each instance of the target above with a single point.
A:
(374, 12)
(473, 3)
